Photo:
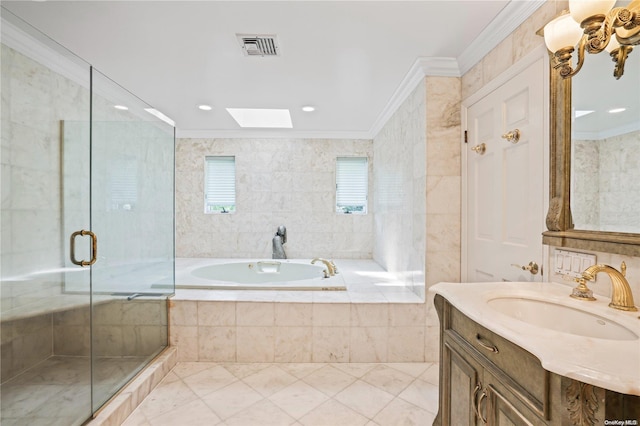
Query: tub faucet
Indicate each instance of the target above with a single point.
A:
(328, 264)
(277, 243)
(621, 296)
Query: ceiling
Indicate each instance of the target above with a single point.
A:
(350, 59)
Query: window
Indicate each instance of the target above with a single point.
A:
(351, 185)
(220, 185)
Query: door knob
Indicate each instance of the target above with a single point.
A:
(531, 267)
(479, 149)
(512, 136)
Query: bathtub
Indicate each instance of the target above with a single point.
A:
(265, 274)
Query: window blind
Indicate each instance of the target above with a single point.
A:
(351, 184)
(220, 184)
(124, 184)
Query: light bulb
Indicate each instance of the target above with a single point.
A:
(562, 32)
(582, 9)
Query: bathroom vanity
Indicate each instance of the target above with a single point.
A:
(498, 368)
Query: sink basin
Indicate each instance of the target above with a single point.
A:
(561, 318)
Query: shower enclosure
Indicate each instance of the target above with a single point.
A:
(87, 230)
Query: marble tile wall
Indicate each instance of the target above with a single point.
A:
(400, 196)
(513, 48)
(299, 332)
(287, 182)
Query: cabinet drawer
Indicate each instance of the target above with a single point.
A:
(511, 364)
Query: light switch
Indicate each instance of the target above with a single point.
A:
(572, 263)
(576, 264)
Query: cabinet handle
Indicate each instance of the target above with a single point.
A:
(486, 344)
(479, 412)
(474, 399)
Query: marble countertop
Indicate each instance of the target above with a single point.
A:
(609, 364)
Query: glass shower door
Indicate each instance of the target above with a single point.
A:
(132, 161)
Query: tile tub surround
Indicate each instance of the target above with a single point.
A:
(320, 394)
(236, 331)
(375, 320)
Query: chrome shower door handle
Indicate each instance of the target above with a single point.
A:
(94, 248)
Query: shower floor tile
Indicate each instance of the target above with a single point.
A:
(58, 390)
(310, 394)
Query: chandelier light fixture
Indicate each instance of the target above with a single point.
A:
(594, 26)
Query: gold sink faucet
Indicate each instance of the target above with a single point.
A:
(329, 265)
(621, 296)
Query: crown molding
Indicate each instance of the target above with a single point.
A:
(270, 134)
(509, 18)
(422, 67)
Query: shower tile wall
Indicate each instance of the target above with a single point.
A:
(400, 195)
(287, 182)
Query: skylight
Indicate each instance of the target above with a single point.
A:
(262, 118)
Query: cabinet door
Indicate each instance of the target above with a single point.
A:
(499, 411)
(460, 387)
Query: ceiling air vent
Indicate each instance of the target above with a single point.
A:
(259, 45)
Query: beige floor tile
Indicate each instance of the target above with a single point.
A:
(242, 370)
(195, 413)
(166, 397)
(414, 369)
(297, 394)
(364, 398)
(231, 400)
(298, 399)
(400, 412)
(270, 380)
(431, 375)
(388, 379)
(422, 394)
(209, 380)
(263, 413)
(329, 380)
(186, 369)
(333, 413)
(357, 369)
(301, 369)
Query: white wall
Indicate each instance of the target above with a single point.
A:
(288, 182)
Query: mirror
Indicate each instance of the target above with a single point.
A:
(605, 150)
(595, 158)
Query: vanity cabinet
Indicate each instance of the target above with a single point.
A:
(488, 380)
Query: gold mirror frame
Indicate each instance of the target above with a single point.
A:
(560, 230)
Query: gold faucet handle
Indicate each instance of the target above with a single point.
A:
(582, 292)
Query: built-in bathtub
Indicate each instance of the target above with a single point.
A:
(265, 274)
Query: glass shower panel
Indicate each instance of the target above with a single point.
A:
(45, 329)
(132, 162)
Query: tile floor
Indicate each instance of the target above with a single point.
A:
(57, 392)
(262, 394)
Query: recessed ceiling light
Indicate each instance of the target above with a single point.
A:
(616, 110)
(582, 113)
(121, 107)
(205, 107)
(308, 108)
(263, 118)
